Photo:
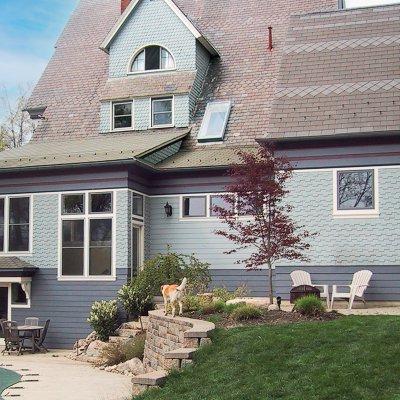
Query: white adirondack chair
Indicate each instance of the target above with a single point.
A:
(356, 288)
(304, 278)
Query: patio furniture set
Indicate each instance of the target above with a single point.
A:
(15, 335)
(354, 291)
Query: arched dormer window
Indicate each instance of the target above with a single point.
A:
(152, 58)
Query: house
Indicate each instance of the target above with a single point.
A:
(142, 108)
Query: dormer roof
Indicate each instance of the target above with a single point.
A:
(189, 24)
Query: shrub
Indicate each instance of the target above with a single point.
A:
(103, 318)
(223, 294)
(118, 352)
(135, 299)
(229, 308)
(246, 312)
(309, 305)
(191, 303)
(212, 307)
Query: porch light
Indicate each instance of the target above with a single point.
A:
(168, 209)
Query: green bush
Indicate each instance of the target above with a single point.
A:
(229, 308)
(191, 303)
(103, 318)
(309, 305)
(118, 352)
(135, 300)
(223, 294)
(212, 307)
(246, 312)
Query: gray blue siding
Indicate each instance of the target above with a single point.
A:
(66, 304)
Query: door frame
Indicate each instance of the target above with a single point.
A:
(8, 286)
(140, 227)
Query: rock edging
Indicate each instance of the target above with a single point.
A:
(170, 344)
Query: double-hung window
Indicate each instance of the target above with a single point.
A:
(87, 233)
(162, 112)
(355, 192)
(122, 117)
(15, 224)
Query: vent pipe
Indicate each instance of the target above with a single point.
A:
(270, 43)
(124, 4)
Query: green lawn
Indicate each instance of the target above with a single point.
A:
(353, 358)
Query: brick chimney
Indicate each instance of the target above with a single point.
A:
(124, 4)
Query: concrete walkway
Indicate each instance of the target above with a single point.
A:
(52, 376)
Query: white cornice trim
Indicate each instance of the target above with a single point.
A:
(185, 20)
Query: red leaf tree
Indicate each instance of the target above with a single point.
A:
(257, 215)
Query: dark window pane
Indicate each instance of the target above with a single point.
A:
(356, 190)
(19, 210)
(18, 296)
(152, 57)
(100, 202)
(72, 233)
(1, 237)
(123, 109)
(100, 247)
(122, 122)
(18, 238)
(194, 206)
(1, 211)
(218, 201)
(72, 261)
(100, 232)
(135, 251)
(137, 204)
(73, 204)
(162, 105)
(100, 261)
(162, 119)
(243, 208)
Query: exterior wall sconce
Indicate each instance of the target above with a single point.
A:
(168, 209)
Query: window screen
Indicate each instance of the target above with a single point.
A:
(214, 122)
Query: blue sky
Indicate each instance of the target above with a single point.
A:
(28, 32)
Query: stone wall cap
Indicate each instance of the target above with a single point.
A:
(180, 354)
(153, 378)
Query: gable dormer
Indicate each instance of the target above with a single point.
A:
(158, 61)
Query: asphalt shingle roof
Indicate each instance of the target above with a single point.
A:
(13, 263)
(109, 147)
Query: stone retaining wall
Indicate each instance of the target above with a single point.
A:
(165, 334)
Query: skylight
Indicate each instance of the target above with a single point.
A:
(214, 122)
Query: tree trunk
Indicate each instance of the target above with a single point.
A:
(271, 285)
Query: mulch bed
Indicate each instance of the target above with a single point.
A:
(268, 318)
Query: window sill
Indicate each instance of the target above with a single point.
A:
(151, 71)
(20, 306)
(16, 254)
(131, 128)
(352, 214)
(162, 126)
(87, 278)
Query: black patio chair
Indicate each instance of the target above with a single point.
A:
(43, 335)
(13, 342)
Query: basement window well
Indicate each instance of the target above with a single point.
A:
(215, 121)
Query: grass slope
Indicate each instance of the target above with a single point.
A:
(353, 358)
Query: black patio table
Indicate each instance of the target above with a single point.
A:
(33, 330)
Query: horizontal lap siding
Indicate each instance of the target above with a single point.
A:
(66, 304)
(384, 285)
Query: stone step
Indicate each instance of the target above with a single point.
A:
(153, 378)
(180, 354)
(120, 339)
(136, 324)
(129, 333)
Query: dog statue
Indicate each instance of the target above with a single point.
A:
(173, 294)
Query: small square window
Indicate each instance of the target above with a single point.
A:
(122, 115)
(73, 204)
(355, 190)
(137, 204)
(215, 121)
(218, 201)
(161, 112)
(101, 203)
(194, 206)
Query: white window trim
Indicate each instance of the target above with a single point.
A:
(371, 213)
(151, 71)
(136, 217)
(132, 127)
(28, 294)
(5, 252)
(172, 107)
(86, 217)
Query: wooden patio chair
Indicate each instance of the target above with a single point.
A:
(13, 342)
(300, 278)
(357, 288)
(42, 336)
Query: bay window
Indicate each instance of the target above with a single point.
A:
(87, 221)
(15, 224)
